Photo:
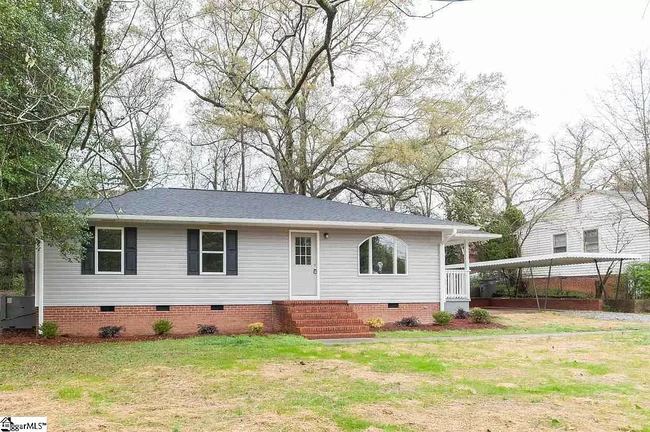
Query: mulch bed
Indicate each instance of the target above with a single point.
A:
(27, 337)
(455, 324)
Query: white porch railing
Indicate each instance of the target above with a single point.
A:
(457, 284)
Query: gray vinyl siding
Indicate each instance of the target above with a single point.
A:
(618, 231)
(263, 271)
(162, 273)
(340, 278)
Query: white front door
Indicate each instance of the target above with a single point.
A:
(304, 265)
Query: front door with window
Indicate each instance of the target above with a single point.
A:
(304, 265)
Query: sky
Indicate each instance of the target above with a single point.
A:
(554, 54)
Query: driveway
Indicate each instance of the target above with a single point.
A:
(609, 316)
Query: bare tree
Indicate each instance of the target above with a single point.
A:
(577, 160)
(382, 133)
(135, 132)
(625, 123)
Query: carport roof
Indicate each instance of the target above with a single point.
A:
(558, 259)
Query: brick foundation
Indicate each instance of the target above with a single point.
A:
(381, 310)
(137, 320)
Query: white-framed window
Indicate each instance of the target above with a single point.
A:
(212, 245)
(382, 254)
(109, 250)
(590, 240)
(559, 243)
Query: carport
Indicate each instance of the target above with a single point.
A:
(549, 261)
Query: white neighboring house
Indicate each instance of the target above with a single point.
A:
(588, 221)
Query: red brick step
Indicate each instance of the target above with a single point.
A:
(321, 319)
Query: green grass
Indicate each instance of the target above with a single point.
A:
(286, 382)
(592, 368)
(70, 393)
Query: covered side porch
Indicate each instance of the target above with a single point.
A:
(461, 272)
(455, 282)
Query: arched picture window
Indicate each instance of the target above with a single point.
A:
(382, 254)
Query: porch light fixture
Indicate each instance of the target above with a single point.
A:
(326, 235)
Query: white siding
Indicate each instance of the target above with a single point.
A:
(618, 231)
(340, 278)
(263, 272)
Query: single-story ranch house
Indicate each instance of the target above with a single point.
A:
(296, 264)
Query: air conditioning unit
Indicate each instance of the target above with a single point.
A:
(17, 312)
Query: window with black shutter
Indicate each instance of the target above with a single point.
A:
(88, 261)
(212, 252)
(111, 250)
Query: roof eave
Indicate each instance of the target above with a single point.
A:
(275, 222)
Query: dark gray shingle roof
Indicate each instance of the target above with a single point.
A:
(188, 203)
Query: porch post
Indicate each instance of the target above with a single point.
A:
(443, 276)
(39, 261)
(466, 266)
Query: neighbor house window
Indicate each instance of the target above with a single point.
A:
(590, 238)
(213, 246)
(382, 254)
(559, 243)
(109, 248)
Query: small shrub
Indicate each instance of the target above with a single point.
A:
(409, 322)
(375, 323)
(442, 318)
(49, 329)
(109, 331)
(480, 316)
(162, 327)
(207, 329)
(461, 314)
(256, 328)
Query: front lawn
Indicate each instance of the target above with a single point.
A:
(591, 382)
(528, 323)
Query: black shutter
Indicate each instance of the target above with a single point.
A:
(130, 251)
(231, 252)
(193, 252)
(88, 261)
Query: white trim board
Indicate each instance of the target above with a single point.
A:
(279, 222)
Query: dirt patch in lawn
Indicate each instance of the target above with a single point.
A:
(297, 370)
(478, 413)
(553, 321)
(455, 324)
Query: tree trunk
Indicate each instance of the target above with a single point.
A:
(243, 162)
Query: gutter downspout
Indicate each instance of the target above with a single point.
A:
(443, 267)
